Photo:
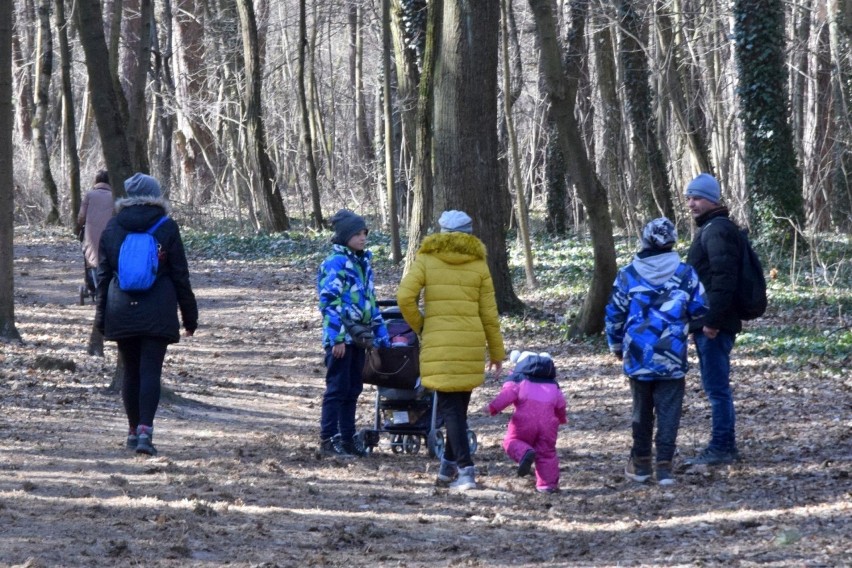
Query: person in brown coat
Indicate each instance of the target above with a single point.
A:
(95, 211)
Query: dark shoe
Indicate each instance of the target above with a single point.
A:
(547, 489)
(448, 472)
(353, 447)
(144, 442)
(132, 440)
(664, 473)
(711, 456)
(638, 469)
(334, 447)
(526, 463)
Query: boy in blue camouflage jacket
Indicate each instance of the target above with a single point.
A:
(345, 288)
(647, 326)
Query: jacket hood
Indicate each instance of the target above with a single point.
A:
(137, 214)
(102, 185)
(453, 248)
(657, 268)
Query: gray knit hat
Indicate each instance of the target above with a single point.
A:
(141, 185)
(706, 186)
(659, 234)
(345, 224)
(457, 221)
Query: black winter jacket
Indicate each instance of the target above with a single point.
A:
(715, 255)
(153, 312)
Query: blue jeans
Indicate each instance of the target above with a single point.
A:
(343, 386)
(714, 357)
(452, 407)
(663, 398)
(143, 368)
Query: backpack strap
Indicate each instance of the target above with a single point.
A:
(156, 225)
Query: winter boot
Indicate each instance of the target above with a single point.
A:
(466, 479)
(144, 443)
(664, 473)
(638, 469)
(132, 440)
(526, 463)
(334, 447)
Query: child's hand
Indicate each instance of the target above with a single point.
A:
(485, 410)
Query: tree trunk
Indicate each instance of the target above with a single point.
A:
(773, 181)
(8, 330)
(26, 99)
(68, 120)
(515, 172)
(268, 200)
(840, 35)
(390, 176)
(465, 145)
(590, 319)
(137, 133)
(639, 102)
(163, 114)
(307, 141)
(105, 99)
(422, 200)
(44, 69)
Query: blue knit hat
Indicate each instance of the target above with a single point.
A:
(141, 185)
(705, 186)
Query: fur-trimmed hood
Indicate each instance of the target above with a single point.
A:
(453, 248)
(145, 200)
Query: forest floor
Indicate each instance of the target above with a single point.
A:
(238, 480)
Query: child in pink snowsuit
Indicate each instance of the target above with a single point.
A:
(539, 410)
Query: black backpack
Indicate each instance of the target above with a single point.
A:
(750, 301)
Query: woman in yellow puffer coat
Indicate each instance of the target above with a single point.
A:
(459, 317)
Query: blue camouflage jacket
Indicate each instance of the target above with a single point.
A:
(647, 319)
(345, 287)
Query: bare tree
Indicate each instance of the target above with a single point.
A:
(562, 93)
(8, 330)
(44, 69)
(267, 194)
(68, 121)
(307, 141)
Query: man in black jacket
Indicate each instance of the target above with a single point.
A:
(715, 255)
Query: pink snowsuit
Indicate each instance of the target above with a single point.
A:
(539, 410)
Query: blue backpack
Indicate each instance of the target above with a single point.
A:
(138, 260)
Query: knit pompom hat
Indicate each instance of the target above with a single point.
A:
(659, 234)
(345, 224)
(705, 186)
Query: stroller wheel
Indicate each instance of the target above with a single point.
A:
(411, 444)
(365, 439)
(83, 294)
(397, 444)
(435, 444)
(472, 441)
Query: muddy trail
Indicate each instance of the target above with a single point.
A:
(238, 480)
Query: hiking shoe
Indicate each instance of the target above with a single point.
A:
(466, 479)
(354, 448)
(712, 456)
(526, 463)
(144, 442)
(334, 447)
(638, 469)
(448, 472)
(132, 440)
(664, 473)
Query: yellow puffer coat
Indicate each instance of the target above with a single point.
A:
(460, 312)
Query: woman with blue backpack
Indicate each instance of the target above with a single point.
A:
(142, 281)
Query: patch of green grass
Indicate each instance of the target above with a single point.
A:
(796, 344)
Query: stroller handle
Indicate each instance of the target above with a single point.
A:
(386, 303)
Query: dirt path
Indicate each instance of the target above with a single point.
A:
(238, 481)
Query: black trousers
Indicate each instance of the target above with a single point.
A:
(143, 367)
(452, 406)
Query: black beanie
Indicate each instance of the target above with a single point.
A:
(346, 224)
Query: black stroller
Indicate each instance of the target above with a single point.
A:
(404, 410)
(87, 288)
